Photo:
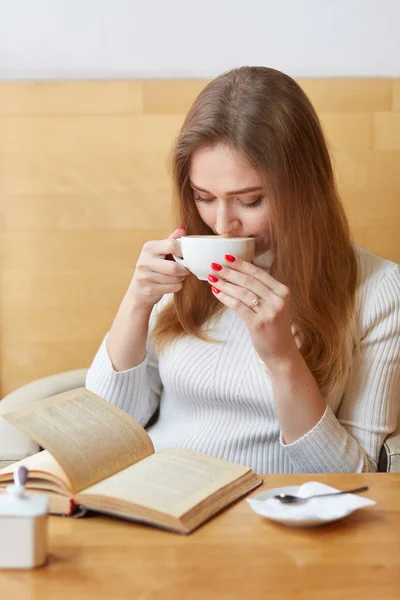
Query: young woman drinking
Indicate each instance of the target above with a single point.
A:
(286, 364)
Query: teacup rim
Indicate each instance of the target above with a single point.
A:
(219, 237)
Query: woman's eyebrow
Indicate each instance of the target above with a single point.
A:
(246, 190)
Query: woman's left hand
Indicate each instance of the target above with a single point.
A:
(263, 304)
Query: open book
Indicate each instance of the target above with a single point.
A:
(99, 458)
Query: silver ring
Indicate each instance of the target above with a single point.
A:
(255, 302)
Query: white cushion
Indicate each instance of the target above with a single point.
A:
(15, 445)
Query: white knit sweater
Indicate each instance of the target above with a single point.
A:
(217, 398)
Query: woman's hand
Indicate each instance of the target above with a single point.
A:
(154, 276)
(263, 304)
(298, 401)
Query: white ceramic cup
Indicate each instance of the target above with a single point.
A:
(199, 251)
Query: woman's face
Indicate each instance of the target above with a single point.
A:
(229, 195)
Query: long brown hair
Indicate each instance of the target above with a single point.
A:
(265, 115)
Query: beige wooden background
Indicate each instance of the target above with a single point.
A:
(83, 184)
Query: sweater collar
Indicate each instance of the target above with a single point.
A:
(265, 260)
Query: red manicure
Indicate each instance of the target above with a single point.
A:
(214, 289)
(230, 258)
(213, 279)
(216, 267)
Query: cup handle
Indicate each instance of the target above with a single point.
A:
(178, 259)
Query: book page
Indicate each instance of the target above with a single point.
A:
(170, 481)
(41, 465)
(90, 438)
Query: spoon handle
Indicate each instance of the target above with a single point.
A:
(354, 491)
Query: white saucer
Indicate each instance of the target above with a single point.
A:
(318, 511)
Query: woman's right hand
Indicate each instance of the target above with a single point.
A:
(154, 276)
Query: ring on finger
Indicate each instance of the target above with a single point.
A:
(255, 302)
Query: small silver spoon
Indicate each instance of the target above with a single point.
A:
(289, 499)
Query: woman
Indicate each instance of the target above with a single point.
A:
(304, 379)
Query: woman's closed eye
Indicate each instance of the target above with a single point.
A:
(199, 198)
(252, 204)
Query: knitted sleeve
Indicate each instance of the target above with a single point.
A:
(136, 391)
(352, 439)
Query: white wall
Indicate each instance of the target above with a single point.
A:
(197, 38)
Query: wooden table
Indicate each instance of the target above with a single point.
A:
(236, 555)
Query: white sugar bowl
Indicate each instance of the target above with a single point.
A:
(23, 525)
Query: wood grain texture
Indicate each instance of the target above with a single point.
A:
(387, 131)
(93, 134)
(350, 95)
(170, 97)
(88, 173)
(72, 97)
(84, 183)
(236, 555)
(396, 95)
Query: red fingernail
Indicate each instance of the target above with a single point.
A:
(213, 279)
(216, 267)
(214, 289)
(230, 258)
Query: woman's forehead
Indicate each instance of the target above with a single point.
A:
(223, 168)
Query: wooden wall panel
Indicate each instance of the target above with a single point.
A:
(170, 96)
(349, 95)
(84, 183)
(81, 134)
(347, 131)
(396, 95)
(134, 209)
(71, 97)
(82, 172)
(387, 130)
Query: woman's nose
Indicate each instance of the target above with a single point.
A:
(226, 222)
